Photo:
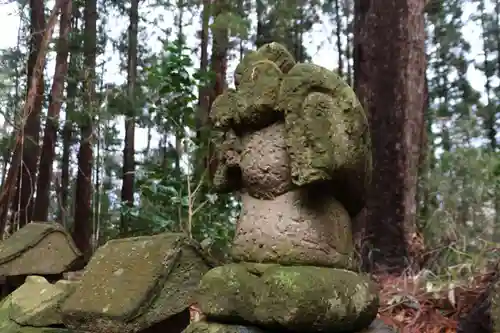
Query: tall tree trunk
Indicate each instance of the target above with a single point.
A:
(8, 188)
(339, 34)
(496, 233)
(218, 64)
(348, 13)
(82, 232)
(129, 149)
(203, 96)
(389, 79)
(42, 202)
(71, 95)
(261, 33)
(23, 202)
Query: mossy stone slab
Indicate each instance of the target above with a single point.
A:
(133, 283)
(39, 248)
(303, 299)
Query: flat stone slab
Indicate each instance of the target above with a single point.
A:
(133, 283)
(39, 248)
(303, 299)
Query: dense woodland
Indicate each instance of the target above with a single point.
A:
(69, 140)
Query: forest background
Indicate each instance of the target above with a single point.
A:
(113, 139)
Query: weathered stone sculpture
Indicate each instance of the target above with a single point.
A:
(294, 140)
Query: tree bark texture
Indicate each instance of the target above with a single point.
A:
(129, 149)
(23, 201)
(44, 178)
(389, 68)
(8, 187)
(218, 65)
(82, 232)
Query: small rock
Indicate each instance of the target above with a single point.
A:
(204, 327)
(36, 302)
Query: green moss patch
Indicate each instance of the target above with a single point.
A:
(296, 298)
(123, 276)
(327, 133)
(28, 237)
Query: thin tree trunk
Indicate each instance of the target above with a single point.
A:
(497, 187)
(67, 134)
(82, 232)
(349, 45)
(42, 202)
(129, 149)
(261, 35)
(339, 33)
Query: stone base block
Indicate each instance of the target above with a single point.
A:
(301, 299)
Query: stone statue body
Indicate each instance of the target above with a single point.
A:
(293, 140)
(281, 222)
(282, 119)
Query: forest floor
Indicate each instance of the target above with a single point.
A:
(417, 304)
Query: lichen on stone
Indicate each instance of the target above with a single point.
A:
(133, 283)
(296, 298)
(227, 176)
(293, 139)
(327, 133)
(259, 87)
(274, 52)
(38, 248)
(36, 302)
(7, 325)
(226, 109)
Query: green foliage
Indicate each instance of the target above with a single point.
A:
(171, 196)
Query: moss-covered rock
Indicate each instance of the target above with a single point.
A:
(326, 130)
(39, 248)
(327, 133)
(205, 327)
(36, 302)
(296, 298)
(131, 284)
(226, 108)
(252, 105)
(274, 52)
(7, 325)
